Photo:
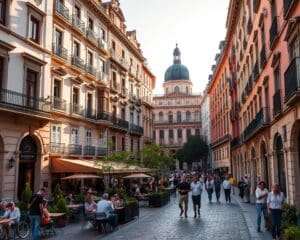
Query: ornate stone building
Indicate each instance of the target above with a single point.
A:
(177, 111)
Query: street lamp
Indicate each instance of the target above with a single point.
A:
(11, 162)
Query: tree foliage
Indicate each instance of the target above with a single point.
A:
(194, 150)
(125, 157)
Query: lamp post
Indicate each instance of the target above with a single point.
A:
(11, 162)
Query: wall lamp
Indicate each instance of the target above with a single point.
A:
(11, 162)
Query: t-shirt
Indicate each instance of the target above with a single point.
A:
(275, 201)
(260, 193)
(226, 184)
(36, 200)
(196, 188)
(184, 186)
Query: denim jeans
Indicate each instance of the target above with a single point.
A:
(113, 219)
(227, 194)
(209, 193)
(35, 226)
(275, 217)
(260, 208)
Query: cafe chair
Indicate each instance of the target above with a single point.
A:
(101, 221)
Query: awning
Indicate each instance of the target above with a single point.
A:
(59, 165)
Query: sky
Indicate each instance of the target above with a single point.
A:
(196, 25)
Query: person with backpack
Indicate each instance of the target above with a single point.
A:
(36, 211)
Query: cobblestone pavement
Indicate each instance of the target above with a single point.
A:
(218, 221)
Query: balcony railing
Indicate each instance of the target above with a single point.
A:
(118, 122)
(76, 109)
(57, 147)
(273, 31)
(136, 129)
(292, 81)
(91, 35)
(60, 51)
(277, 103)
(102, 43)
(74, 149)
(90, 69)
(101, 151)
(78, 62)
(62, 10)
(263, 56)
(286, 5)
(78, 23)
(90, 113)
(221, 140)
(261, 119)
(59, 104)
(20, 100)
(186, 121)
(89, 150)
(104, 116)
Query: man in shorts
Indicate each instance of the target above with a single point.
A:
(183, 189)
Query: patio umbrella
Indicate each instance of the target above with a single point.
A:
(81, 176)
(138, 175)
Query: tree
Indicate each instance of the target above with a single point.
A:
(194, 150)
(123, 157)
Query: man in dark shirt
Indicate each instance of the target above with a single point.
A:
(35, 212)
(183, 189)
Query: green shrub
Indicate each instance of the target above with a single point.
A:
(130, 200)
(79, 198)
(61, 206)
(157, 194)
(289, 216)
(57, 194)
(292, 233)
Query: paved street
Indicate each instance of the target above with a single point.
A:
(217, 221)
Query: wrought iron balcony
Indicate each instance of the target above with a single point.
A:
(263, 56)
(277, 103)
(62, 9)
(221, 140)
(101, 151)
(292, 82)
(136, 129)
(90, 113)
(90, 69)
(78, 23)
(60, 51)
(286, 5)
(57, 147)
(91, 35)
(78, 62)
(262, 119)
(89, 150)
(23, 101)
(77, 109)
(74, 149)
(273, 31)
(59, 104)
(118, 122)
(104, 116)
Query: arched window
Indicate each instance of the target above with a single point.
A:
(197, 116)
(176, 89)
(188, 116)
(179, 117)
(161, 117)
(187, 89)
(170, 117)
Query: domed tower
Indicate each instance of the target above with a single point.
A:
(177, 77)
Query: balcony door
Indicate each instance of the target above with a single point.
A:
(31, 87)
(89, 104)
(1, 71)
(123, 114)
(74, 136)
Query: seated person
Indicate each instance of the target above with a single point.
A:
(105, 206)
(90, 207)
(3, 205)
(46, 216)
(13, 214)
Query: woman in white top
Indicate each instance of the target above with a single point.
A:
(275, 203)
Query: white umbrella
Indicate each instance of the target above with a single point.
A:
(81, 176)
(138, 175)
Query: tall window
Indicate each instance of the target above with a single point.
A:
(176, 89)
(171, 136)
(55, 133)
(74, 136)
(114, 142)
(90, 58)
(179, 135)
(102, 34)
(2, 11)
(88, 138)
(75, 96)
(188, 133)
(77, 11)
(76, 49)
(178, 117)
(197, 116)
(294, 48)
(57, 87)
(188, 116)
(277, 78)
(170, 117)
(31, 86)
(58, 37)
(90, 24)
(273, 9)
(131, 118)
(34, 25)
(161, 136)
(161, 117)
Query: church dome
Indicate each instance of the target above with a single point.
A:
(177, 71)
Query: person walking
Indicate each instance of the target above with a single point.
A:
(217, 184)
(247, 185)
(227, 189)
(209, 186)
(241, 188)
(261, 194)
(196, 187)
(183, 189)
(275, 203)
(232, 183)
(36, 212)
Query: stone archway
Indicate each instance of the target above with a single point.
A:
(2, 165)
(27, 163)
(253, 170)
(264, 163)
(280, 163)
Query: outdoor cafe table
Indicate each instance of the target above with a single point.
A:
(4, 221)
(56, 215)
(74, 206)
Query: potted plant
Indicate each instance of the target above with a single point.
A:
(159, 199)
(131, 209)
(60, 206)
